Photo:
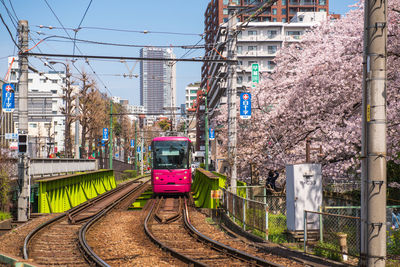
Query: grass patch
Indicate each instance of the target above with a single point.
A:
(328, 250)
(4, 216)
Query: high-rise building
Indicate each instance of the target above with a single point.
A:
(157, 81)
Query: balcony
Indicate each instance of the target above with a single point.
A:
(302, 3)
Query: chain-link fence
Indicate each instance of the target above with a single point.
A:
(340, 231)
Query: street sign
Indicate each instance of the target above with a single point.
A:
(132, 142)
(105, 134)
(149, 148)
(211, 134)
(116, 155)
(138, 149)
(11, 136)
(245, 105)
(14, 145)
(255, 74)
(8, 103)
(103, 143)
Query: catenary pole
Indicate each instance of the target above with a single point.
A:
(77, 127)
(111, 152)
(135, 147)
(23, 198)
(205, 93)
(373, 212)
(232, 116)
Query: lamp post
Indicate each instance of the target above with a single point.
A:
(67, 134)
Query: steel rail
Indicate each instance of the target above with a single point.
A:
(88, 252)
(160, 244)
(36, 230)
(222, 247)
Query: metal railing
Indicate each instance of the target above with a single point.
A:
(39, 167)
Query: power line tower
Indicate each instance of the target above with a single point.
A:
(23, 179)
(373, 190)
(232, 115)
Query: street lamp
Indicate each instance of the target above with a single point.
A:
(67, 138)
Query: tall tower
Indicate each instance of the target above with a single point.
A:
(157, 80)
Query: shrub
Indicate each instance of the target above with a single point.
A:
(130, 173)
(277, 228)
(328, 250)
(394, 244)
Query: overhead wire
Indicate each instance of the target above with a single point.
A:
(80, 23)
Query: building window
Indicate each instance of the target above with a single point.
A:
(225, 11)
(33, 125)
(248, 78)
(271, 65)
(239, 49)
(43, 80)
(193, 91)
(322, 2)
(54, 91)
(274, 20)
(239, 80)
(272, 34)
(272, 49)
(283, 11)
(54, 81)
(283, 2)
(274, 11)
(322, 10)
(30, 80)
(240, 63)
(13, 75)
(284, 20)
(252, 33)
(226, 2)
(252, 48)
(251, 63)
(193, 97)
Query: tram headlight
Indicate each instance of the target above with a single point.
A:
(184, 177)
(157, 177)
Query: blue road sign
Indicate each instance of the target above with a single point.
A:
(149, 148)
(105, 134)
(211, 134)
(245, 105)
(132, 142)
(103, 143)
(8, 103)
(138, 149)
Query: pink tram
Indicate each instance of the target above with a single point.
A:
(171, 168)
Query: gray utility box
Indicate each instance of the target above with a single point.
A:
(303, 192)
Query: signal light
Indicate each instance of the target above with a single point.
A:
(22, 143)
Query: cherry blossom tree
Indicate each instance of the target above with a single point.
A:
(315, 93)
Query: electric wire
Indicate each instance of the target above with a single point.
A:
(122, 30)
(8, 30)
(80, 23)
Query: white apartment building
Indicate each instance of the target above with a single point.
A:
(46, 123)
(191, 94)
(257, 43)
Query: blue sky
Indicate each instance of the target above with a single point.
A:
(177, 16)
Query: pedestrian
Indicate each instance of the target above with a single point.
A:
(272, 177)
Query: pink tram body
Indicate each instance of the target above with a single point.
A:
(171, 165)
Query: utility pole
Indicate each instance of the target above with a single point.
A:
(206, 128)
(23, 179)
(77, 127)
(373, 190)
(135, 147)
(141, 152)
(111, 152)
(232, 116)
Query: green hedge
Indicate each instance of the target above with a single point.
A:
(130, 173)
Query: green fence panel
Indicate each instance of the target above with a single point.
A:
(59, 194)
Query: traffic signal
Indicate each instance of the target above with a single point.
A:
(22, 143)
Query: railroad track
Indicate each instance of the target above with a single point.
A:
(163, 225)
(56, 241)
